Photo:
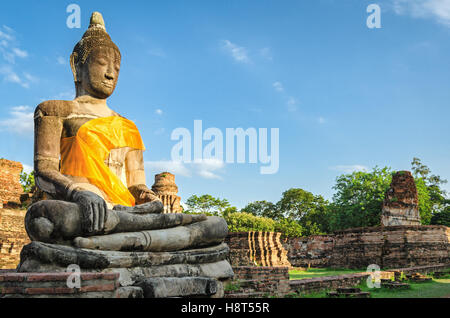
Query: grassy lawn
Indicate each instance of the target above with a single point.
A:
(434, 289)
(318, 272)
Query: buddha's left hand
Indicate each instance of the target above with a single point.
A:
(142, 194)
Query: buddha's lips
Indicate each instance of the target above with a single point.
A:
(108, 85)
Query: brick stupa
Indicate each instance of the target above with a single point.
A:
(166, 189)
(400, 205)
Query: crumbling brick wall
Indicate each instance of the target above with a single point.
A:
(258, 281)
(12, 237)
(388, 247)
(256, 248)
(10, 188)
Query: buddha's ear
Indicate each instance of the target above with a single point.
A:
(73, 66)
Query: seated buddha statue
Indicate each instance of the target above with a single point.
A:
(89, 161)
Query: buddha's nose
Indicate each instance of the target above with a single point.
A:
(109, 76)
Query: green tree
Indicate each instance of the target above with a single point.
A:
(262, 208)
(358, 199)
(27, 181)
(436, 200)
(307, 209)
(442, 217)
(206, 204)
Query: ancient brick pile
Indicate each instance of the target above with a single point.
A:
(12, 237)
(388, 247)
(44, 285)
(10, 188)
(258, 281)
(166, 189)
(400, 205)
(256, 248)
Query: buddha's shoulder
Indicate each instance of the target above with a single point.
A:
(59, 108)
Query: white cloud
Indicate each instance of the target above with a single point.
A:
(238, 53)
(321, 120)
(438, 10)
(61, 61)
(27, 168)
(20, 120)
(292, 104)
(206, 168)
(278, 86)
(349, 168)
(20, 53)
(9, 75)
(158, 112)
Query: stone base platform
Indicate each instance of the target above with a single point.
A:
(197, 271)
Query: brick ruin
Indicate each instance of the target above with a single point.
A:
(10, 187)
(388, 247)
(256, 248)
(12, 228)
(166, 189)
(401, 204)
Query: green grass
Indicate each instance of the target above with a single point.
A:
(319, 272)
(434, 289)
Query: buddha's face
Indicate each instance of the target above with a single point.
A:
(100, 72)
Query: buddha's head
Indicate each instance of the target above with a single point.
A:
(95, 61)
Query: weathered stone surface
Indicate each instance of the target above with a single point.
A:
(178, 287)
(10, 188)
(12, 237)
(166, 189)
(129, 292)
(388, 247)
(257, 248)
(401, 205)
(55, 285)
(63, 256)
(211, 231)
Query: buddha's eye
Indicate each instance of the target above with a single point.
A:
(102, 62)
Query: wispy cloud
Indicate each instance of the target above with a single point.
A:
(158, 112)
(238, 53)
(9, 53)
(278, 86)
(349, 168)
(158, 52)
(61, 61)
(321, 120)
(20, 120)
(206, 168)
(292, 104)
(27, 168)
(438, 10)
(9, 46)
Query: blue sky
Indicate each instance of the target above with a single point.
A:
(343, 96)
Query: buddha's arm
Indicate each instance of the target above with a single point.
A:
(135, 172)
(48, 130)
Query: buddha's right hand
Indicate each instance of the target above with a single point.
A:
(93, 209)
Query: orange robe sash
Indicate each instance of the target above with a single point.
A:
(84, 154)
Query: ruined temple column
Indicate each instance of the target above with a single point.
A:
(400, 205)
(166, 189)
